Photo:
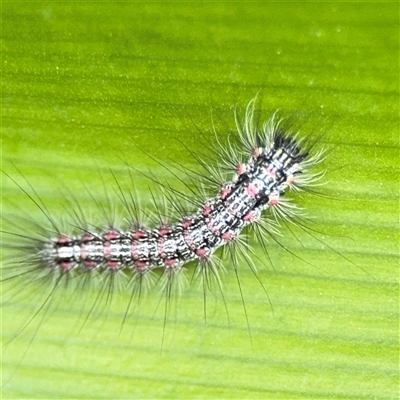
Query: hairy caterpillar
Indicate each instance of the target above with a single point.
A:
(249, 183)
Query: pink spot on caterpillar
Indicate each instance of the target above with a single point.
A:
(227, 236)
(271, 170)
(207, 210)
(111, 235)
(134, 251)
(241, 169)
(186, 223)
(62, 240)
(66, 265)
(106, 250)
(273, 201)
(87, 237)
(290, 180)
(224, 193)
(141, 265)
(171, 262)
(83, 250)
(163, 231)
(252, 190)
(202, 252)
(249, 216)
(139, 234)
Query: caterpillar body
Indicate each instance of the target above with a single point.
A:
(269, 162)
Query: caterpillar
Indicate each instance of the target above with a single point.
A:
(249, 186)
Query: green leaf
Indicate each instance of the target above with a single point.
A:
(97, 85)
